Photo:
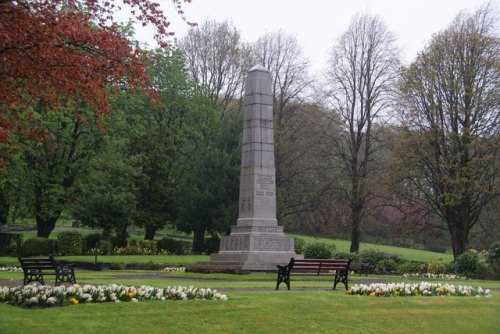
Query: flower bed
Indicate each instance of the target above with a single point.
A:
(173, 269)
(421, 289)
(32, 295)
(11, 269)
(433, 276)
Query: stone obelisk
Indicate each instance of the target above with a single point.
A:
(256, 243)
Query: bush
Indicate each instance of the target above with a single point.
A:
(38, 246)
(346, 256)
(299, 245)
(409, 268)
(174, 246)
(319, 250)
(91, 241)
(105, 247)
(69, 243)
(147, 246)
(467, 264)
(387, 265)
(436, 268)
(212, 244)
(371, 256)
(10, 243)
(494, 256)
(129, 250)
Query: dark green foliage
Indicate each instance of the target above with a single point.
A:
(346, 256)
(212, 244)
(409, 268)
(319, 250)
(149, 245)
(299, 245)
(10, 244)
(38, 246)
(69, 243)
(494, 256)
(387, 265)
(4, 207)
(467, 264)
(174, 246)
(371, 256)
(91, 241)
(105, 246)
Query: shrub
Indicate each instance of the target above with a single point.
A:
(409, 268)
(371, 256)
(91, 241)
(38, 246)
(387, 265)
(436, 268)
(346, 256)
(319, 250)
(69, 243)
(129, 250)
(299, 245)
(467, 264)
(105, 246)
(212, 244)
(10, 243)
(494, 256)
(174, 246)
(147, 246)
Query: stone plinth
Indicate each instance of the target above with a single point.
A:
(256, 243)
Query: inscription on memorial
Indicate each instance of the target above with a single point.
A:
(272, 244)
(234, 244)
(264, 183)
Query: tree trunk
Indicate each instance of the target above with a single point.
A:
(199, 241)
(45, 226)
(459, 232)
(150, 233)
(355, 230)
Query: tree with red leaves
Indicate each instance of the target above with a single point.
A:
(61, 53)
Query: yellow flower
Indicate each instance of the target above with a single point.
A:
(73, 301)
(372, 294)
(131, 294)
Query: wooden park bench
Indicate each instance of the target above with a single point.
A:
(362, 268)
(314, 267)
(36, 268)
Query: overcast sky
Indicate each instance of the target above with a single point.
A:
(318, 23)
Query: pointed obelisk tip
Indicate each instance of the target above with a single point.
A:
(259, 68)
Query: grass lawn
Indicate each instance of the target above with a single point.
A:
(404, 253)
(266, 312)
(261, 311)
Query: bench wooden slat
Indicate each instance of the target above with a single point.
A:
(36, 268)
(338, 268)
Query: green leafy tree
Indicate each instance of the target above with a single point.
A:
(161, 135)
(211, 184)
(448, 160)
(43, 172)
(105, 192)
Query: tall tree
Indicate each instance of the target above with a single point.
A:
(362, 71)
(216, 60)
(449, 158)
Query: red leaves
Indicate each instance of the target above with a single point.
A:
(51, 52)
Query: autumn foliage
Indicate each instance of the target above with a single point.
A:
(58, 54)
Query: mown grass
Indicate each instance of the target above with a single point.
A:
(404, 253)
(265, 312)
